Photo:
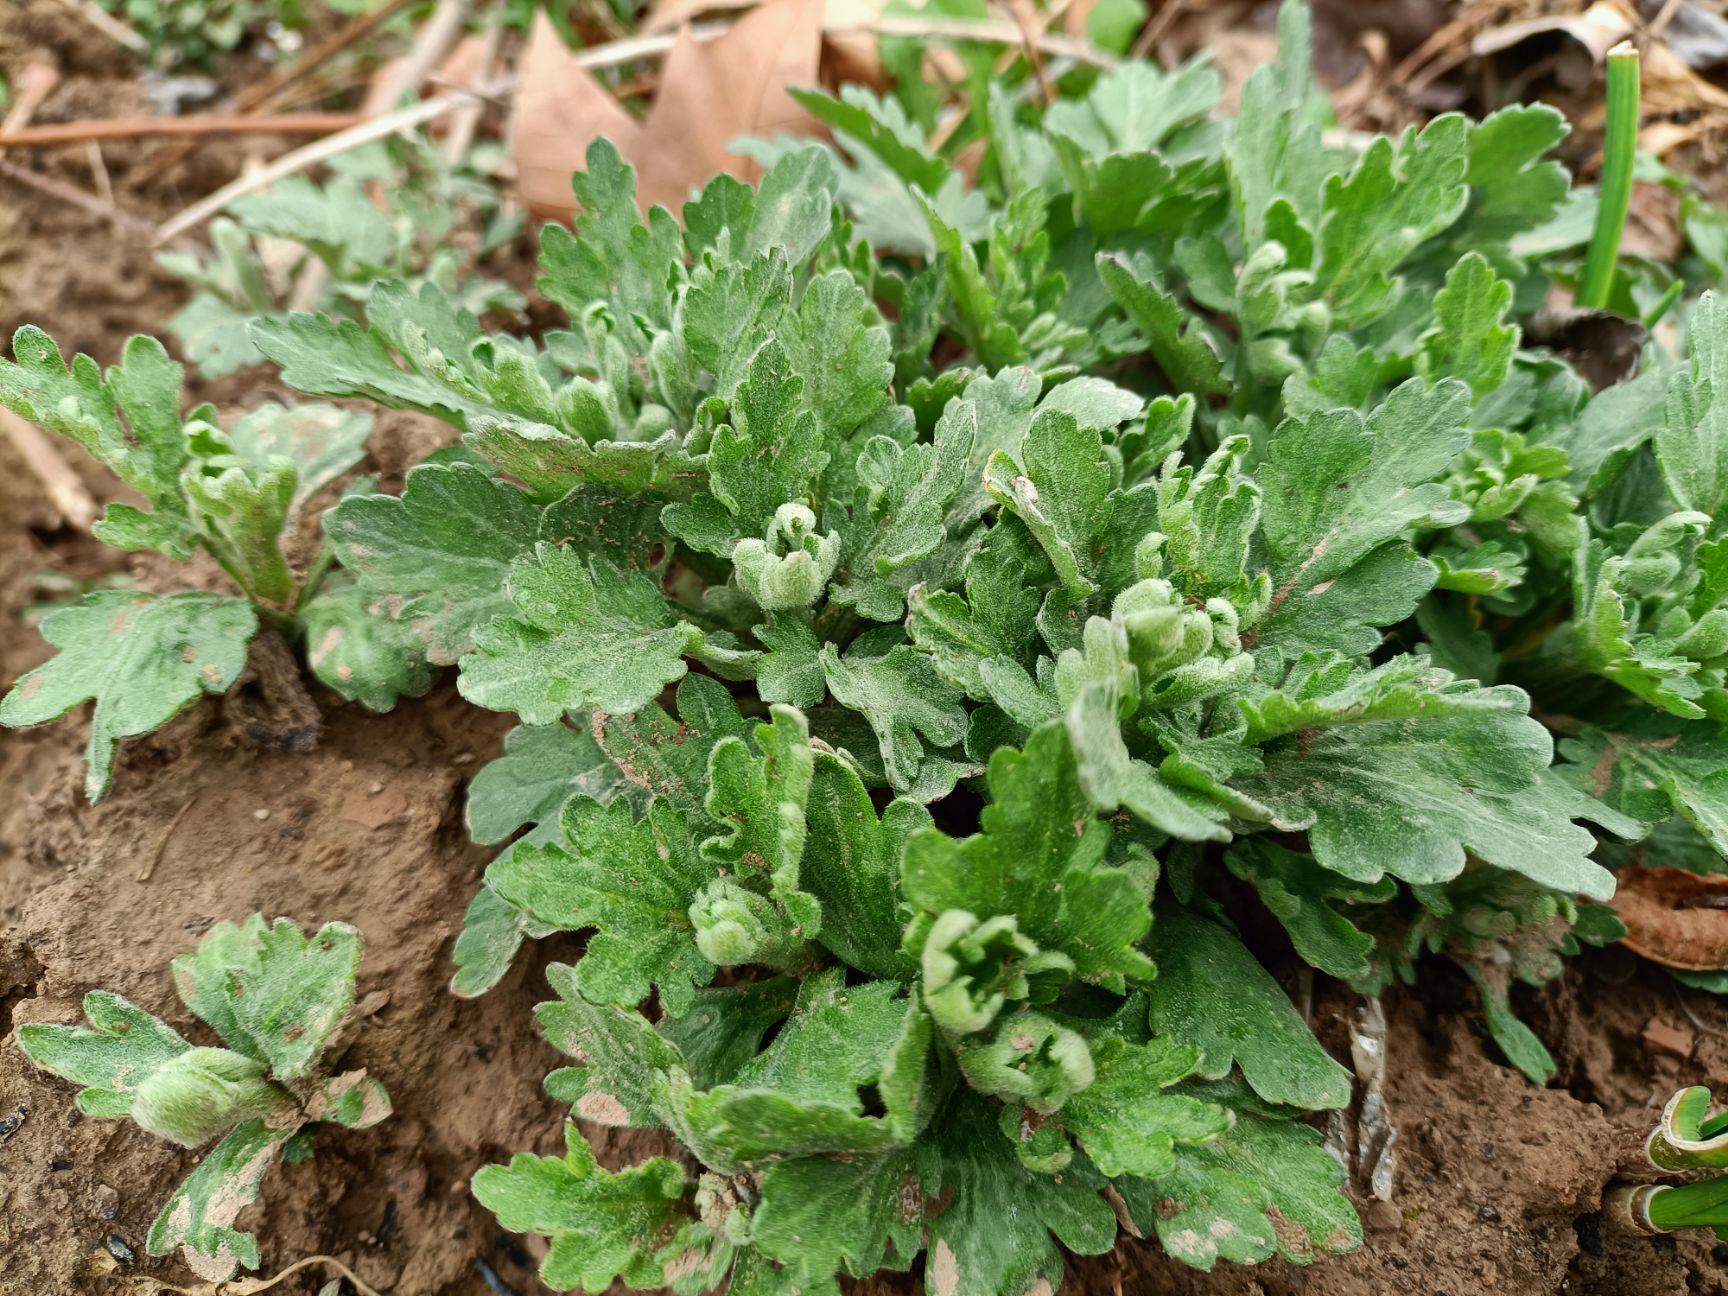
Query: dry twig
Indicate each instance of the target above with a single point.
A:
(258, 96)
(433, 41)
(35, 84)
(76, 197)
(467, 120)
(113, 128)
(1155, 31)
(319, 151)
(108, 25)
(61, 485)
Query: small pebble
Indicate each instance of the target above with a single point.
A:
(463, 758)
(104, 1202)
(376, 788)
(120, 1251)
(1487, 1214)
(260, 815)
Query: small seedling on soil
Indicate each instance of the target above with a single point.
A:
(278, 1000)
(234, 495)
(347, 243)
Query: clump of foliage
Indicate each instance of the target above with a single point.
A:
(337, 232)
(278, 1000)
(944, 621)
(196, 33)
(235, 495)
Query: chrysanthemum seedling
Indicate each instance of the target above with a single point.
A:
(233, 494)
(278, 1000)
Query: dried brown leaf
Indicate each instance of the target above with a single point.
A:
(711, 92)
(1675, 918)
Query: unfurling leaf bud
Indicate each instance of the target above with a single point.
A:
(737, 925)
(203, 1093)
(973, 967)
(788, 568)
(1707, 637)
(1029, 1059)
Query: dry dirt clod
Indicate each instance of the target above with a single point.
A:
(104, 1202)
(1660, 1037)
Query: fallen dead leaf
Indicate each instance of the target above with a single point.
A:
(711, 92)
(668, 15)
(1598, 29)
(1673, 917)
(1603, 347)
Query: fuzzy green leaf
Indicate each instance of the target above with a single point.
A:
(995, 1237)
(270, 991)
(199, 1217)
(141, 658)
(1470, 339)
(852, 866)
(1396, 197)
(634, 882)
(1126, 1121)
(1410, 798)
(1184, 350)
(899, 518)
(321, 441)
(542, 768)
(584, 634)
(770, 454)
(123, 1046)
(440, 553)
(1304, 897)
(1063, 496)
(618, 1050)
(1657, 769)
(355, 647)
(128, 418)
(906, 702)
(1692, 443)
(1339, 493)
(1268, 1188)
(601, 1225)
(1255, 1026)
(1040, 860)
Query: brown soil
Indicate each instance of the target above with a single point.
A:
(1498, 1182)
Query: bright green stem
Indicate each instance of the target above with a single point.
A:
(1619, 150)
(1693, 1205)
(1664, 304)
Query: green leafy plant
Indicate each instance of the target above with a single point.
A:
(345, 242)
(233, 494)
(198, 33)
(951, 627)
(279, 1001)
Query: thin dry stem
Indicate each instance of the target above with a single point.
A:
(60, 483)
(357, 29)
(35, 84)
(251, 1286)
(108, 25)
(319, 151)
(77, 198)
(113, 128)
